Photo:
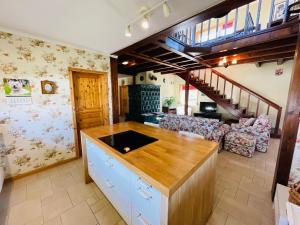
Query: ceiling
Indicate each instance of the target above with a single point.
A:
(91, 24)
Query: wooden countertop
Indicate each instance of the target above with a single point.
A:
(166, 163)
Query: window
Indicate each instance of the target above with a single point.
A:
(193, 95)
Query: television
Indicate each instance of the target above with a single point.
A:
(208, 107)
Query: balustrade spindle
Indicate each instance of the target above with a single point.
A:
(287, 2)
(193, 36)
(218, 82)
(224, 88)
(248, 104)
(271, 13)
(211, 74)
(208, 32)
(236, 20)
(217, 28)
(201, 33)
(268, 109)
(205, 75)
(257, 108)
(231, 93)
(257, 28)
(246, 19)
(240, 96)
(226, 22)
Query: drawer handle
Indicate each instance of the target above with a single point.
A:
(144, 194)
(142, 220)
(109, 164)
(143, 184)
(108, 184)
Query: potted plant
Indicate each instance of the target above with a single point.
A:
(167, 103)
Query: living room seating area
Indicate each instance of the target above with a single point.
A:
(244, 138)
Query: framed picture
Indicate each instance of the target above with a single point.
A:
(48, 87)
(17, 87)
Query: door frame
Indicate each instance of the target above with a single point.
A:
(72, 72)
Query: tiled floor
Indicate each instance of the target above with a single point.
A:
(59, 196)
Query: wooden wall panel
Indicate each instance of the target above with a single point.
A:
(114, 89)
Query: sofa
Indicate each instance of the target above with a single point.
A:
(208, 129)
(259, 128)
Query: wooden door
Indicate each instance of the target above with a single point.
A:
(123, 100)
(91, 101)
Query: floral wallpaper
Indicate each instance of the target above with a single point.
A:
(39, 134)
(295, 169)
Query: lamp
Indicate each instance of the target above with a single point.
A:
(166, 9)
(234, 61)
(145, 22)
(224, 62)
(128, 31)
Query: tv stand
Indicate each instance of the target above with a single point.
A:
(209, 115)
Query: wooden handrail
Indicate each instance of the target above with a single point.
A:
(242, 87)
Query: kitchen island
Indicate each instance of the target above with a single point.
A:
(169, 181)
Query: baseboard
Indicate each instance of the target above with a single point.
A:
(32, 172)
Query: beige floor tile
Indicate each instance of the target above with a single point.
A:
(233, 221)
(218, 217)
(108, 216)
(25, 212)
(55, 221)
(81, 192)
(99, 205)
(55, 205)
(62, 182)
(79, 215)
(41, 188)
(12, 197)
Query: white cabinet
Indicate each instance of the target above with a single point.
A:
(136, 201)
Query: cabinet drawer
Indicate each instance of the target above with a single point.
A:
(146, 200)
(93, 149)
(139, 218)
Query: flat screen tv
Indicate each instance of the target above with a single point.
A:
(208, 107)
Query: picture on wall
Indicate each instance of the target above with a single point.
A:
(17, 87)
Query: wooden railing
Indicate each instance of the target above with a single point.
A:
(238, 23)
(237, 94)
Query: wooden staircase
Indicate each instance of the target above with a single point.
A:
(233, 96)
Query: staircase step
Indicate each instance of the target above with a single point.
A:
(235, 105)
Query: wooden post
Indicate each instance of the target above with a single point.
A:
(114, 88)
(186, 99)
(290, 126)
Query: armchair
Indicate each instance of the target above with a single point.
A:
(261, 130)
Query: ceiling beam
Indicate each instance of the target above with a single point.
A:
(154, 60)
(264, 46)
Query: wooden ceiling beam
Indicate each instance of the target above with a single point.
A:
(241, 57)
(260, 47)
(154, 60)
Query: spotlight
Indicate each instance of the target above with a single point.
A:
(128, 31)
(234, 61)
(125, 63)
(166, 9)
(145, 22)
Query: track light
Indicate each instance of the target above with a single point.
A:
(128, 31)
(234, 61)
(145, 22)
(166, 9)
